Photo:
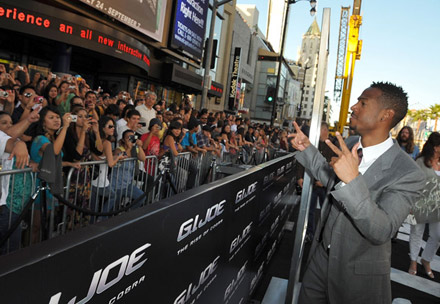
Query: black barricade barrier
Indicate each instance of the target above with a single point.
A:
(206, 245)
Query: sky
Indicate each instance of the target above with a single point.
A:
(401, 44)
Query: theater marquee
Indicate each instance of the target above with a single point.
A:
(48, 22)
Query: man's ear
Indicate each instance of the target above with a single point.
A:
(388, 115)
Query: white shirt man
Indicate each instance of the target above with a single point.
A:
(147, 112)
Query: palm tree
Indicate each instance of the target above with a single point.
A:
(435, 114)
(420, 115)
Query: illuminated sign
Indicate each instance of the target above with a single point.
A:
(234, 85)
(145, 16)
(216, 89)
(72, 29)
(189, 27)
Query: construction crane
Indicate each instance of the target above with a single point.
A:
(340, 59)
(353, 53)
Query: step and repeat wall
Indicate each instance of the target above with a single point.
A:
(207, 245)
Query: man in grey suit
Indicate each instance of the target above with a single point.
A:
(371, 196)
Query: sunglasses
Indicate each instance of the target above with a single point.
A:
(27, 95)
(110, 126)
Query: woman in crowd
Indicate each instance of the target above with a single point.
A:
(426, 209)
(65, 91)
(172, 138)
(228, 140)
(15, 191)
(51, 129)
(82, 138)
(76, 101)
(100, 183)
(284, 143)
(123, 176)
(51, 93)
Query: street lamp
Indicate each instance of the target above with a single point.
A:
(280, 57)
(208, 50)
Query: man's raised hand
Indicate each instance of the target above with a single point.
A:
(300, 141)
(346, 163)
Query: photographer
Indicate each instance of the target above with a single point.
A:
(50, 129)
(122, 176)
(91, 107)
(82, 138)
(27, 101)
(66, 91)
(150, 140)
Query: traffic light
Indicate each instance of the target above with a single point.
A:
(270, 94)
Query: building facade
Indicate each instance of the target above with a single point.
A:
(308, 60)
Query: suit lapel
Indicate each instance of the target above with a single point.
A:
(383, 163)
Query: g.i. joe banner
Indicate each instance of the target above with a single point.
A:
(207, 245)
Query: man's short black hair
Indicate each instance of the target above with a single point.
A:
(23, 88)
(89, 93)
(393, 97)
(133, 112)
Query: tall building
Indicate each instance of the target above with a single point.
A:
(308, 60)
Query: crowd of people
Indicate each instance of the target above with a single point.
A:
(62, 119)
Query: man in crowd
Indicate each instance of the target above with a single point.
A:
(133, 118)
(24, 107)
(147, 112)
(405, 138)
(374, 191)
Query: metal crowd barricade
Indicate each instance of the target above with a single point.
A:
(181, 173)
(98, 188)
(21, 185)
(204, 166)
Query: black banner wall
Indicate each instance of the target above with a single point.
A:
(207, 245)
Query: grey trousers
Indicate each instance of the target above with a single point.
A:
(314, 283)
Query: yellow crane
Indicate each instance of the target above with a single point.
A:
(353, 53)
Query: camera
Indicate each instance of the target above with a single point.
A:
(72, 87)
(20, 67)
(132, 138)
(38, 99)
(74, 118)
(4, 94)
(143, 124)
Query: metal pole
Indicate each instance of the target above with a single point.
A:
(280, 61)
(208, 51)
(318, 104)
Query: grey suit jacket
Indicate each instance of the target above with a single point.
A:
(366, 214)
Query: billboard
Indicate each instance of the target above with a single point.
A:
(145, 16)
(189, 27)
